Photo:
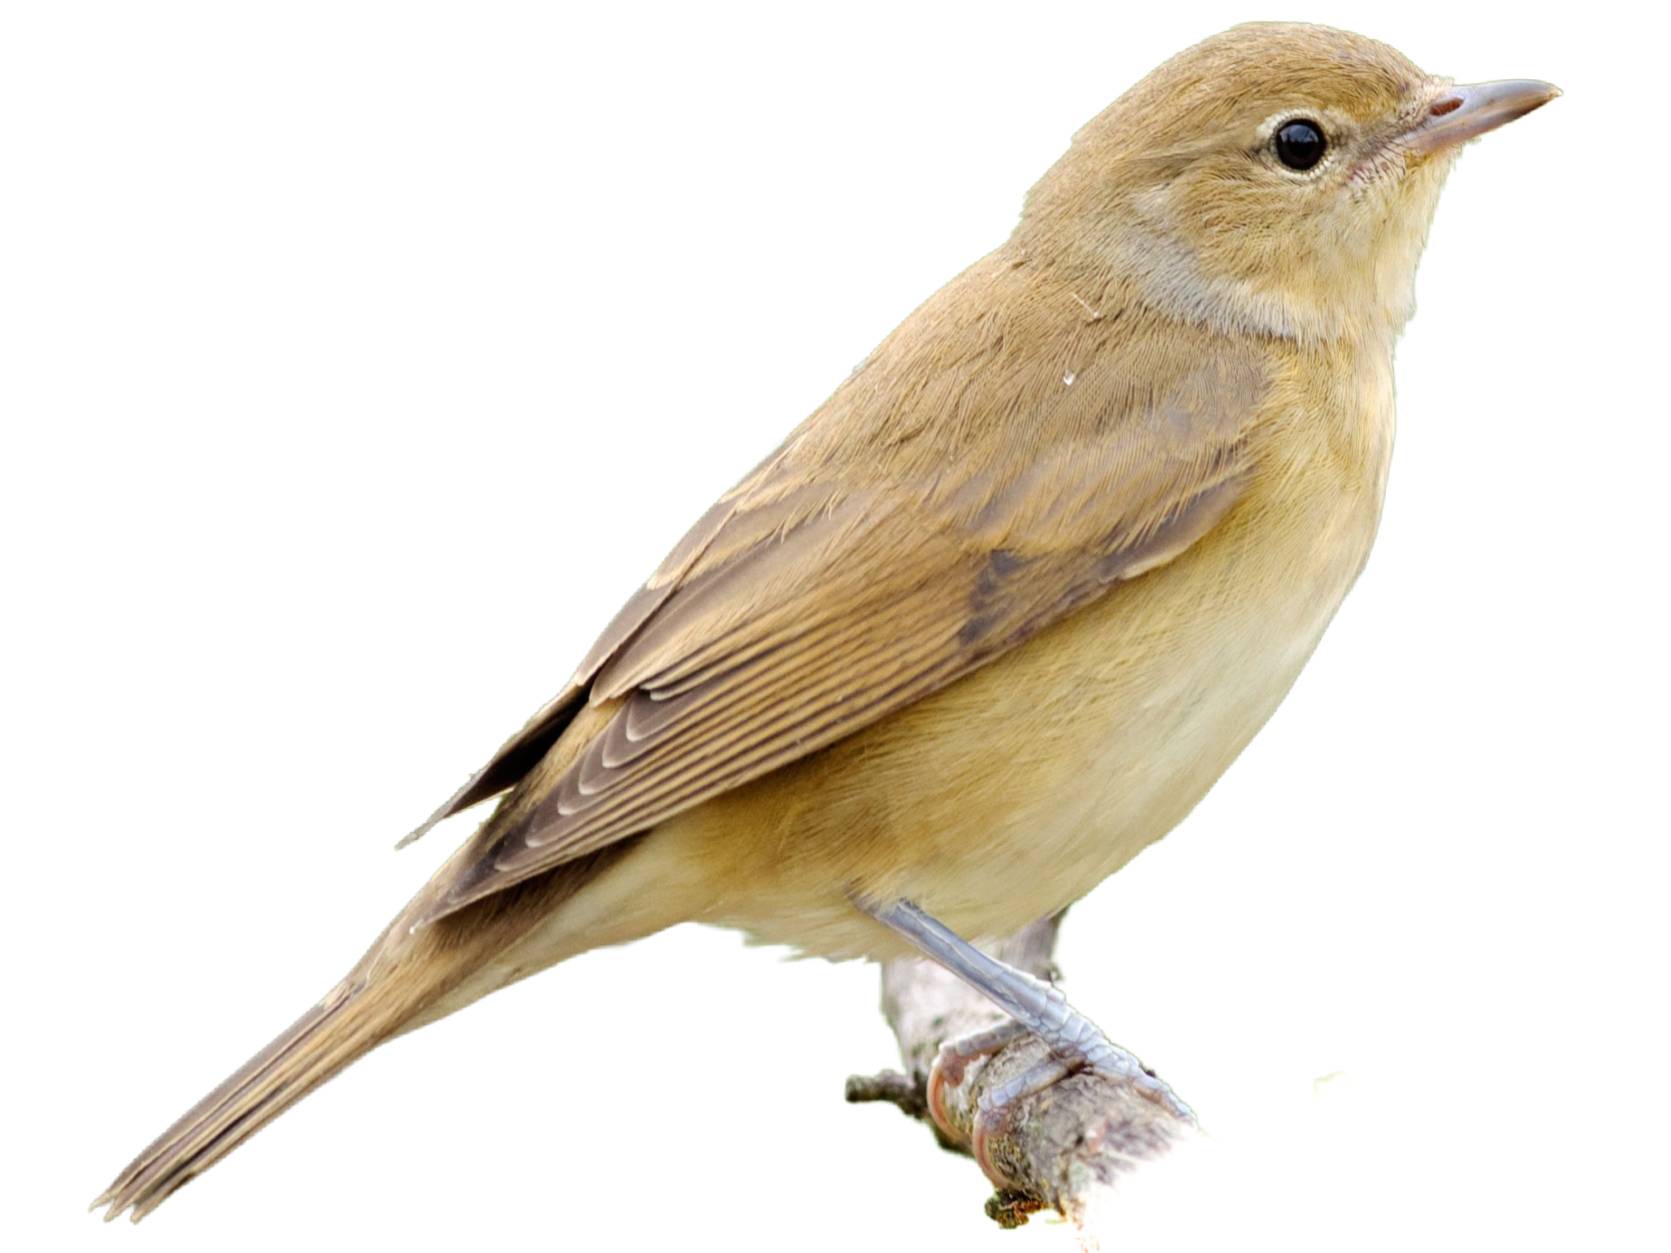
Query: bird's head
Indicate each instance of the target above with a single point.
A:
(1276, 179)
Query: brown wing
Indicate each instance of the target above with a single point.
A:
(523, 751)
(937, 511)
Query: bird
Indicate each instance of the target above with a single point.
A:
(1000, 611)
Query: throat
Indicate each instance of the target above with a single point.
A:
(1164, 273)
(1149, 264)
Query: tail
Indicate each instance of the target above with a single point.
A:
(408, 978)
(347, 1024)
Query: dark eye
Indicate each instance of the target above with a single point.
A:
(1300, 144)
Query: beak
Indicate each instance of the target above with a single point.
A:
(1468, 110)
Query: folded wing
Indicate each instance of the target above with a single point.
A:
(929, 517)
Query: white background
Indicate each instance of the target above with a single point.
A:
(359, 359)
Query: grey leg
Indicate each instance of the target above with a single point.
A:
(1038, 1006)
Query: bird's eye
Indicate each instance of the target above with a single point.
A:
(1300, 144)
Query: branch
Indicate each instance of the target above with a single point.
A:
(1065, 1148)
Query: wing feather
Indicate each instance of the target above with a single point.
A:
(876, 557)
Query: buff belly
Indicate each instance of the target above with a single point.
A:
(1014, 791)
(1069, 755)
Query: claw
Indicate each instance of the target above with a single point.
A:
(1159, 1091)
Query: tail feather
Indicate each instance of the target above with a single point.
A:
(411, 975)
(345, 1025)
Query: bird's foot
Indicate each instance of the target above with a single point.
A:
(1085, 1048)
(954, 1059)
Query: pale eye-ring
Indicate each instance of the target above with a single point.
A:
(1300, 144)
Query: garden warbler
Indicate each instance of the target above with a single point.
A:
(997, 614)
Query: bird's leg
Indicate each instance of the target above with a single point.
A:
(1035, 1006)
